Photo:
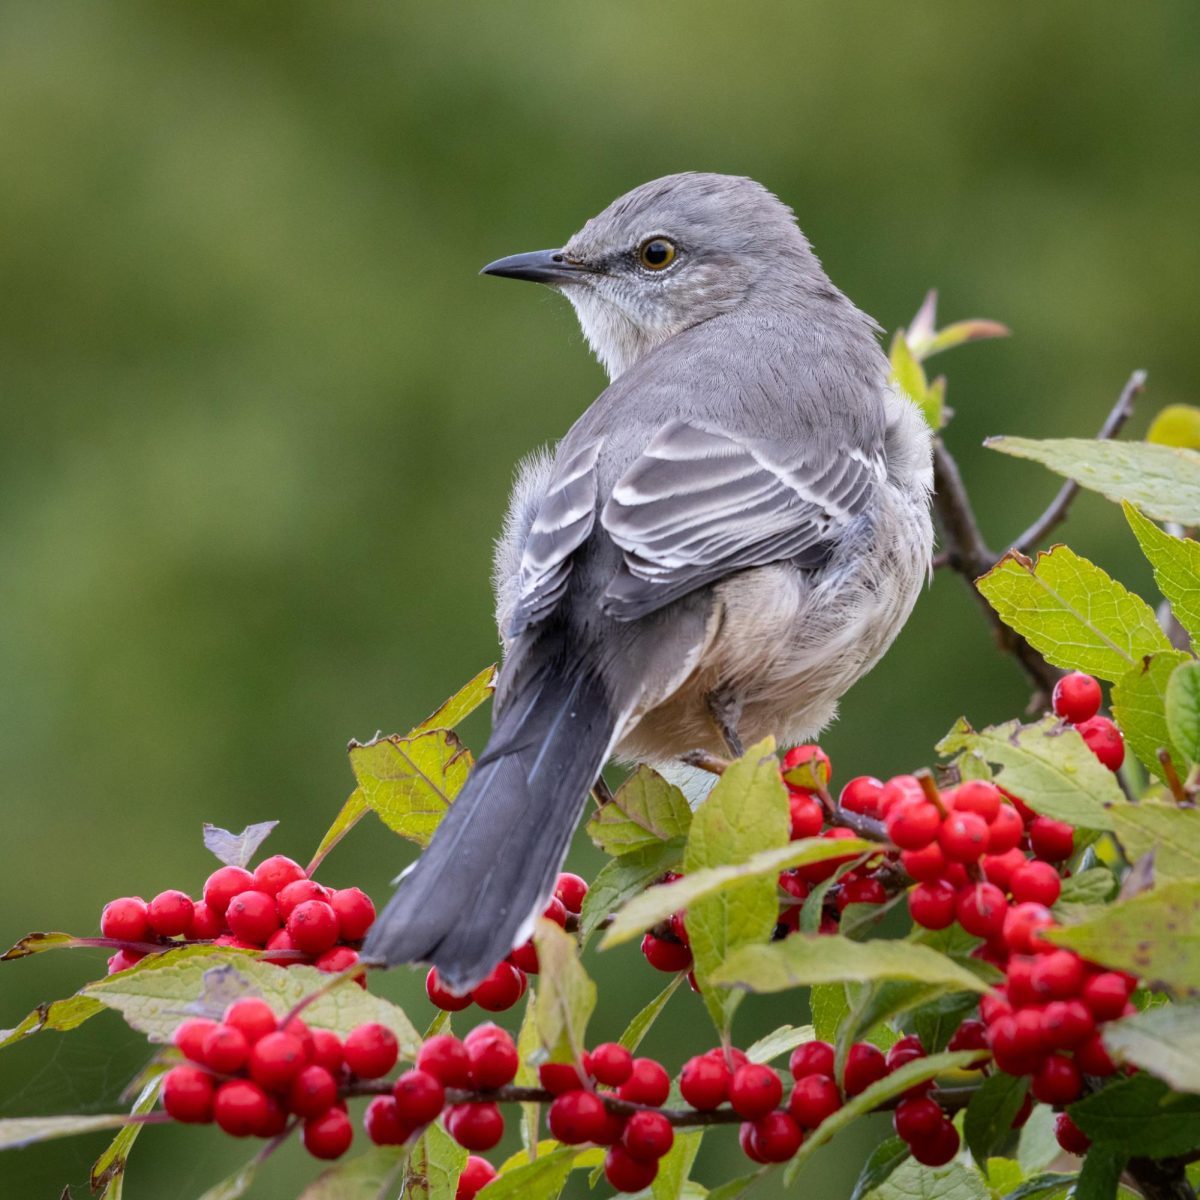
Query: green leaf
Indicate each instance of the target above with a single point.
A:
(1003, 1174)
(675, 1165)
(1163, 481)
(1176, 563)
(348, 816)
(108, 1171)
(16, 1132)
(936, 1021)
(1164, 1040)
(1048, 765)
(911, 1181)
(746, 812)
(735, 1188)
(1154, 935)
(900, 1080)
(1052, 1185)
(566, 995)
(1037, 1145)
(1139, 704)
(645, 811)
(1173, 833)
(781, 1041)
(637, 1029)
(411, 781)
(1100, 1175)
(1072, 612)
(881, 1001)
(883, 1160)
(463, 703)
(155, 999)
(623, 878)
(813, 909)
(1143, 1112)
(829, 1006)
(236, 1185)
(39, 943)
(236, 849)
(1084, 892)
(1183, 710)
(361, 1178)
(989, 1116)
(528, 1045)
(908, 373)
(541, 1178)
(804, 959)
(434, 1166)
(656, 904)
(57, 1015)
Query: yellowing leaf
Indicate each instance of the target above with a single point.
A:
(1171, 832)
(108, 1171)
(463, 703)
(909, 375)
(1072, 612)
(645, 811)
(566, 994)
(1176, 425)
(434, 1166)
(58, 1015)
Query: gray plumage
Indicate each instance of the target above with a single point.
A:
(728, 538)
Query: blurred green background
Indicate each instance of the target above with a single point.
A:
(259, 415)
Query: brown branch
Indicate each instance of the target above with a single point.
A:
(1161, 1178)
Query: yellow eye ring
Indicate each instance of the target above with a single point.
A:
(656, 253)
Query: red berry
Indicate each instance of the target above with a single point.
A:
(252, 916)
(371, 1050)
(524, 958)
(1057, 975)
(354, 911)
(241, 1108)
(383, 1123)
(501, 989)
(980, 797)
(228, 939)
(981, 909)
(1016, 1046)
(1036, 883)
(1052, 841)
(475, 1126)
(313, 926)
(1005, 830)
(755, 1089)
(1076, 697)
(1000, 868)
(313, 1091)
(1019, 980)
(861, 795)
(625, 1172)
(970, 1035)
(493, 1057)
(297, 893)
(663, 955)
(337, 960)
(925, 866)
(612, 1064)
(807, 816)
(913, 825)
(571, 890)
(1092, 1058)
(647, 1136)
(254, 1017)
(281, 940)
(1057, 1081)
(812, 1058)
(1021, 927)
(1104, 740)
(864, 1065)
(275, 1060)
(476, 1175)
(907, 1049)
(964, 837)
(798, 756)
(125, 920)
(860, 891)
(939, 1148)
(932, 905)
(170, 913)
(225, 883)
(419, 1097)
(187, 1095)
(326, 1050)
(748, 1138)
(777, 1137)
(1066, 1024)
(648, 1083)
(814, 1098)
(917, 1118)
(204, 925)
(226, 1049)
(329, 1135)
(898, 789)
(578, 1116)
(1105, 994)
(273, 874)
(558, 1078)
(1070, 1137)
(446, 1058)
(704, 1083)
(189, 1038)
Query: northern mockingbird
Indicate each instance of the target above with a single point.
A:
(729, 537)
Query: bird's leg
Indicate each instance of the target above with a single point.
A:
(726, 710)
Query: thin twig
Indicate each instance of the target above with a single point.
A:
(712, 763)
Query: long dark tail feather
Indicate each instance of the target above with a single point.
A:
(492, 862)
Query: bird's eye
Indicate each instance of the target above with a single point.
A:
(656, 253)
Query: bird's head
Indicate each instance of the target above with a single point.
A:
(668, 255)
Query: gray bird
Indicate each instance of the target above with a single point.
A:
(728, 538)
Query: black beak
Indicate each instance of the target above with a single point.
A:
(539, 266)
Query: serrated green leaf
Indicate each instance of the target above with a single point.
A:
(812, 911)
(1100, 1175)
(155, 999)
(57, 1015)
(463, 703)
(1173, 833)
(883, 1160)
(936, 1021)
(989, 1116)
(745, 813)
(658, 903)
(829, 1006)
(108, 1171)
(566, 995)
(912, 1181)
(1083, 892)
(1003, 1174)
(780, 1041)
(625, 877)
(881, 1001)
(434, 1166)
(1183, 711)
(361, 1178)
(16, 1132)
(1140, 1111)
(1074, 614)
(1164, 1040)
(640, 1025)
(1176, 563)
(805, 959)
(900, 1080)
(236, 849)
(1163, 481)
(674, 1167)
(1154, 935)
(1139, 704)
(542, 1178)
(1048, 765)
(645, 811)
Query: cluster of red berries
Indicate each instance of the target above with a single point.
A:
(249, 1073)
(508, 981)
(277, 907)
(1077, 700)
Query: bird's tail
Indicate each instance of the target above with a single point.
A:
(492, 863)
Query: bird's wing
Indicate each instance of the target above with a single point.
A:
(563, 522)
(700, 503)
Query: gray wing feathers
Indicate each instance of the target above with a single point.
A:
(700, 503)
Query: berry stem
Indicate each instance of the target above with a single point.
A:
(925, 778)
(712, 763)
(1172, 777)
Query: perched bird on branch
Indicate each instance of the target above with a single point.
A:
(730, 536)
